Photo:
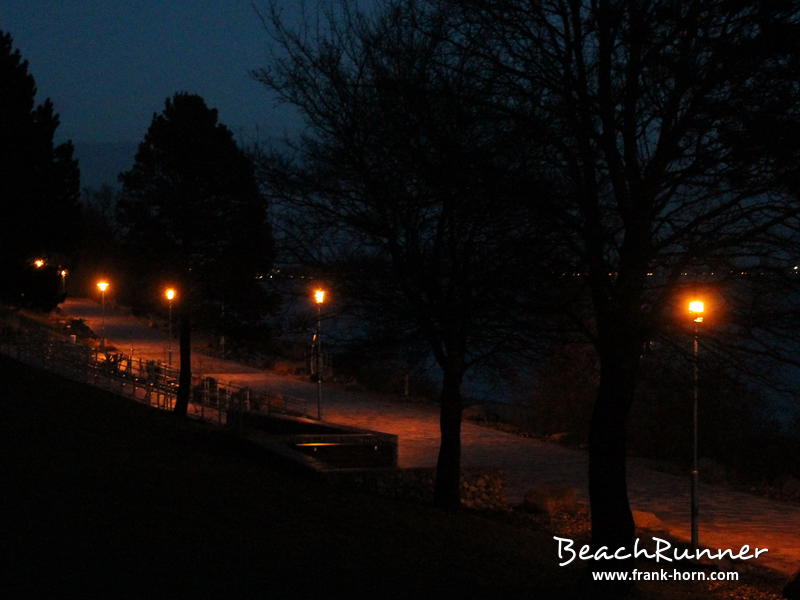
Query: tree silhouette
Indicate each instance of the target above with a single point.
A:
(665, 131)
(39, 182)
(655, 116)
(191, 214)
(406, 191)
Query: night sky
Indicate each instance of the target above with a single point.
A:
(109, 65)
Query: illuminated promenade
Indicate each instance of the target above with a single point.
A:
(728, 519)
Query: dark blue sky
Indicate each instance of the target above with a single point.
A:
(108, 65)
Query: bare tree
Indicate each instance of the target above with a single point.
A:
(408, 189)
(653, 116)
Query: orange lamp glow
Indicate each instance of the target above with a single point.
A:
(319, 296)
(102, 285)
(697, 308)
(170, 294)
(38, 263)
(63, 273)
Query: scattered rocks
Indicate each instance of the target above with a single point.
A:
(483, 491)
(739, 591)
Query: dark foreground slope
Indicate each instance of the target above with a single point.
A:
(104, 496)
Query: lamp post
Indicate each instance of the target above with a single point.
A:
(103, 286)
(696, 310)
(63, 273)
(169, 294)
(319, 298)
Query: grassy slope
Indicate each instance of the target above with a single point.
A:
(103, 496)
(109, 496)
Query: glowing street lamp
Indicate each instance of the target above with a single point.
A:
(103, 286)
(39, 263)
(169, 294)
(63, 274)
(319, 299)
(696, 310)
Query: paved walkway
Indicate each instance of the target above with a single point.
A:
(728, 519)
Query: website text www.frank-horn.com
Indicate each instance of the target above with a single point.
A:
(665, 575)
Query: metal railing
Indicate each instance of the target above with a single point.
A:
(151, 382)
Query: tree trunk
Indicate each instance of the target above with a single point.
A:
(185, 377)
(612, 522)
(448, 467)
